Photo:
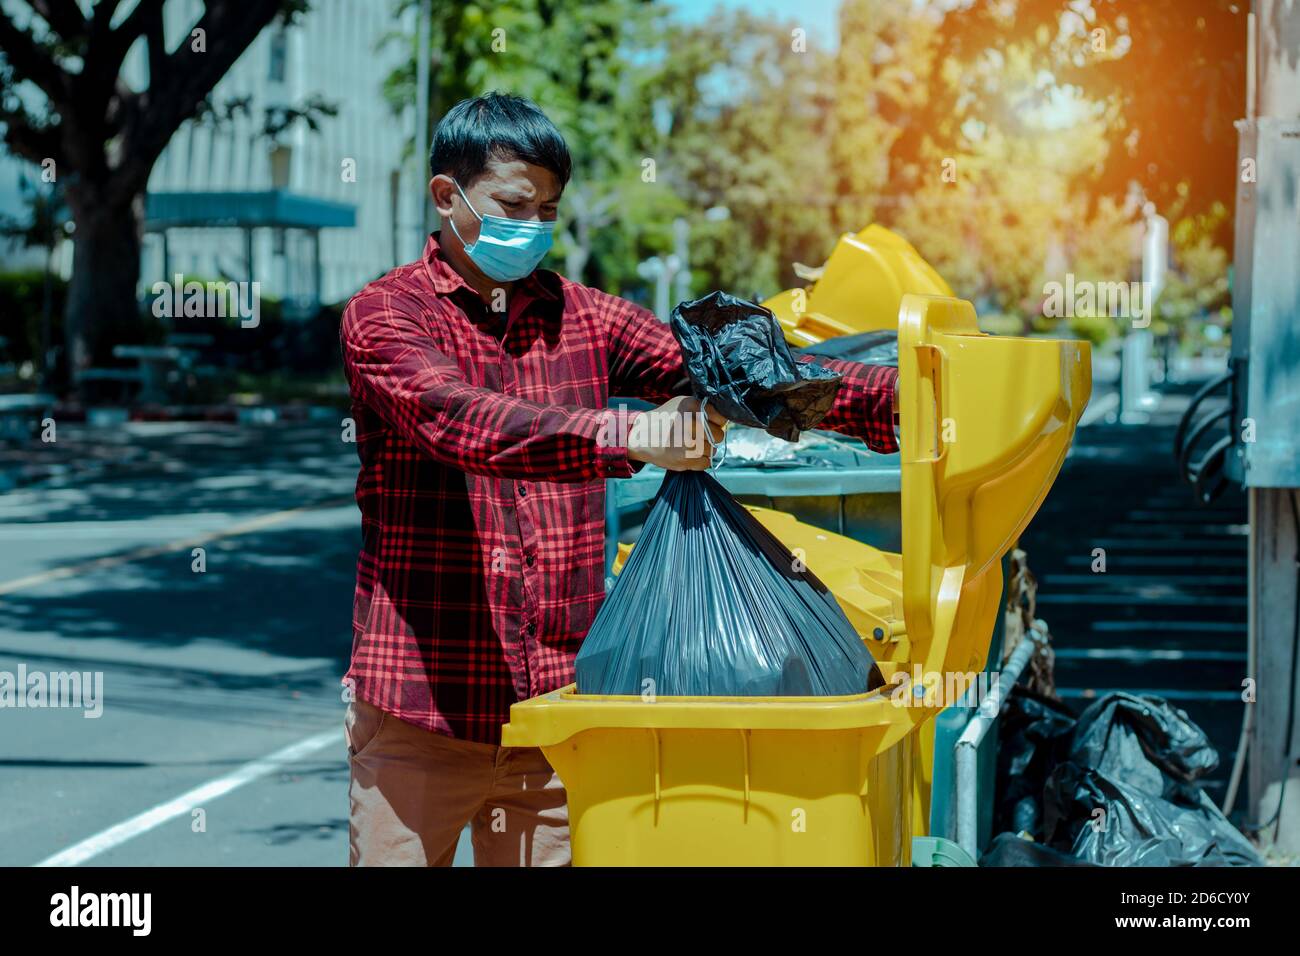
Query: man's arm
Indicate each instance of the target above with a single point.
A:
(645, 361)
(392, 366)
(864, 407)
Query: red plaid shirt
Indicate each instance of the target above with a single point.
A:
(482, 484)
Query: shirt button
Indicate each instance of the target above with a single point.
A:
(530, 560)
(523, 491)
(528, 628)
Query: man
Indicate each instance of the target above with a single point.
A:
(480, 389)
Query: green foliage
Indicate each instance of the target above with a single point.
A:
(22, 295)
(1198, 283)
(748, 128)
(1096, 329)
(989, 134)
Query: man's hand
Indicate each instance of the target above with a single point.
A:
(672, 436)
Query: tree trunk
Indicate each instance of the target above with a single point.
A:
(575, 262)
(105, 273)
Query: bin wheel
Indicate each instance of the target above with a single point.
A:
(936, 851)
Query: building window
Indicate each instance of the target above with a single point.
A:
(279, 50)
(281, 163)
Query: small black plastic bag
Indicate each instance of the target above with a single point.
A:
(711, 604)
(737, 358)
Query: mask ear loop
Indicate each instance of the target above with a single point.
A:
(708, 437)
(452, 222)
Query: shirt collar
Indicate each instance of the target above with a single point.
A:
(540, 284)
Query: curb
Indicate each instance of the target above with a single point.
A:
(110, 415)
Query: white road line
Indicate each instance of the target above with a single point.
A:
(179, 806)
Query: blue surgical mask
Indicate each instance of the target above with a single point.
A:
(507, 249)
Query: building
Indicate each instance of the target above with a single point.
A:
(358, 160)
(226, 190)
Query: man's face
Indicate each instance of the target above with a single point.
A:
(508, 188)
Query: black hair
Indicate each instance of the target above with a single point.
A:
(496, 126)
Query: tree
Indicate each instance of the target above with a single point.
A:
(1173, 73)
(746, 104)
(1004, 199)
(1012, 140)
(882, 76)
(101, 136)
(572, 58)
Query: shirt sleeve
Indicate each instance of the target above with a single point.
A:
(864, 407)
(645, 360)
(393, 367)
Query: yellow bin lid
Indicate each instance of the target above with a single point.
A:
(986, 422)
(859, 289)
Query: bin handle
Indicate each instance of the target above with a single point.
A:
(744, 743)
(929, 365)
(654, 742)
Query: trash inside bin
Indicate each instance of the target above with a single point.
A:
(712, 604)
(870, 348)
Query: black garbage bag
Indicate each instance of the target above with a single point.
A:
(737, 358)
(1123, 734)
(710, 604)
(1128, 796)
(1034, 737)
(1007, 849)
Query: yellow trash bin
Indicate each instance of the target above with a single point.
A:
(859, 289)
(986, 423)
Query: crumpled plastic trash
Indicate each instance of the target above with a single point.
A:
(755, 446)
(878, 347)
(736, 356)
(1034, 737)
(1137, 760)
(711, 604)
(1120, 786)
(1009, 849)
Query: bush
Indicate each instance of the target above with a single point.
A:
(275, 346)
(22, 297)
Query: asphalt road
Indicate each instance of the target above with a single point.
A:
(220, 687)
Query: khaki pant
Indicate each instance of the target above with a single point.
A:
(413, 791)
